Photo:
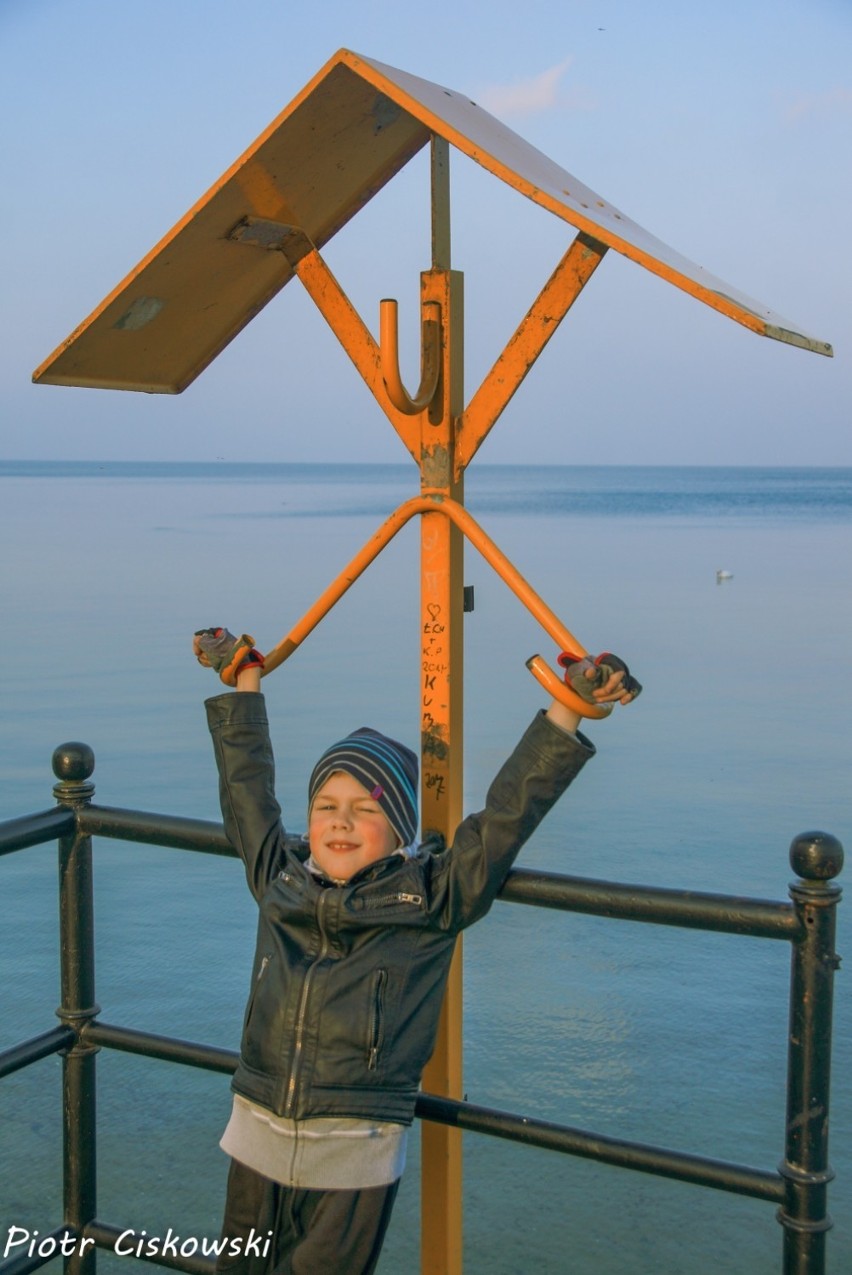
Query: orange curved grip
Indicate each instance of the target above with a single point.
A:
(229, 673)
(554, 685)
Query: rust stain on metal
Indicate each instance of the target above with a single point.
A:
(434, 465)
(434, 744)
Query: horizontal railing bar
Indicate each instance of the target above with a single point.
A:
(759, 918)
(697, 1170)
(22, 1264)
(162, 830)
(107, 1236)
(30, 1051)
(34, 830)
(166, 1048)
(658, 1160)
(733, 914)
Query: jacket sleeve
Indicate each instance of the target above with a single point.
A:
(546, 760)
(243, 751)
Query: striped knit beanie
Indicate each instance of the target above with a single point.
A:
(387, 769)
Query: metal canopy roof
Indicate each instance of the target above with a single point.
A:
(339, 141)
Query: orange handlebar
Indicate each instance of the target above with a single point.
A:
(555, 686)
(438, 503)
(228, 674)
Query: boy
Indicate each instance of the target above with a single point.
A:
(356, 933)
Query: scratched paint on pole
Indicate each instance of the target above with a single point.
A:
(438, 727)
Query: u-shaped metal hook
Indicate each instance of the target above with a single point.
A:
(430, 361)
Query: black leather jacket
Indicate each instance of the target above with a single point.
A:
(348, 981)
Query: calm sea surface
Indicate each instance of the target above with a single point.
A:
(741, 740)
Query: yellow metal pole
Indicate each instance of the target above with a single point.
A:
(441, 620)
(442, 592)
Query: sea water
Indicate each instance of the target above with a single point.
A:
(741, 740)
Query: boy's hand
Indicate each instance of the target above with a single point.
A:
(600, 679)
(218, 649)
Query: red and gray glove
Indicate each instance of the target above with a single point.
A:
(578, 669)
(218, 649)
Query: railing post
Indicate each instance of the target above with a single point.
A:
(816, 857)
(73, 764)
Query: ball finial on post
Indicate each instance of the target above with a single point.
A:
(73, 764)
(816, 856)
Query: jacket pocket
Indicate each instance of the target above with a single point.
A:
(255, 989)
(376, 1032)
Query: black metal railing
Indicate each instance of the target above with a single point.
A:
(798, 1187)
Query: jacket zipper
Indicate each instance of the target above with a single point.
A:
(375, 1038)
(387, 900)
(303, 1009)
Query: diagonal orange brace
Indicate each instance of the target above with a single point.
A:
(530, 337)
(348, 326)
(523, 591)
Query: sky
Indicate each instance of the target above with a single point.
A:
(724, 129)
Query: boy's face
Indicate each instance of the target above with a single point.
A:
(347, 828)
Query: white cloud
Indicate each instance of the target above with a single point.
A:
(830, 102)
(530, 96)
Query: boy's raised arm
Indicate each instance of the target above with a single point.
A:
(243, 754)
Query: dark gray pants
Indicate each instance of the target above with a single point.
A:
(287, 1231)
